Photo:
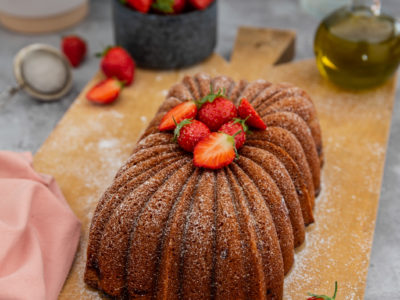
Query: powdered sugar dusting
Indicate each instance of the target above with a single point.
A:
(338, 240)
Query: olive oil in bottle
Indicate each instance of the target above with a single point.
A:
(357, 48)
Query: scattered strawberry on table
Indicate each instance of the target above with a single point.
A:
(209, 128)
(323, 297)
(167, 6)
(74, 48)
(106, 91)
(119, 67)
(117, 62)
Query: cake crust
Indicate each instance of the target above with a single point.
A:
(165, 229)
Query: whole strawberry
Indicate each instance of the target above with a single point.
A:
(74, 49)
(169, 6)
(116, 62)
(189, 132)
(236, 128)
(201, 4)
(215, 110)
(139, 5)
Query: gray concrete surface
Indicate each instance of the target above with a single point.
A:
(25, 124)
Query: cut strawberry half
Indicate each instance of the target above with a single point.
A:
(185, 110)
(215, 151)
(105, 91)
(245, 110)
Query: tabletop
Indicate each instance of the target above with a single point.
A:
(25, 123)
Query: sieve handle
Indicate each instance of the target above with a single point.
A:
(7, 94)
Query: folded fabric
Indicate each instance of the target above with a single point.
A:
(39, 233)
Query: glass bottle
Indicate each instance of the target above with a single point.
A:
(357, 46)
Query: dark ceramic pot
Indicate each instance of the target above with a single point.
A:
(166, 41)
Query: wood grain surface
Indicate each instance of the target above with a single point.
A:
(91, 142)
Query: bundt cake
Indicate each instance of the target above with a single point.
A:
(165, 229)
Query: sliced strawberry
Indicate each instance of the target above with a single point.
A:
(201, 4)
(246, 111)
(237, 128)
(189, 132)
(185, 110)
(215, 151)
(216, 110)
(105, 91)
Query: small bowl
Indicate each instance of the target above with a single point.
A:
(166, 41)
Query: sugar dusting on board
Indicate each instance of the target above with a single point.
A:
(108, 153)
(337, 245)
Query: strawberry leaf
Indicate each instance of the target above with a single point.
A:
(165, 6)
(324, 296)
(101, 54)
(210, 97)
(243, 123)
(179, 126)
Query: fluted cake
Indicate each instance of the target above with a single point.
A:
(165, 229)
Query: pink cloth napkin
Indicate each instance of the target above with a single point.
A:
(39, 233)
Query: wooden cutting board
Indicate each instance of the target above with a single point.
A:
(91, 142)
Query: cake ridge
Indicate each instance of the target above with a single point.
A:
(254, 255)
(243, 169)
(267, 243)
(279, 175)
(296, 125)
(95, 239)
(116, 246)
(186, 198)
(295, 174)
(144, 227)
(253, 89)
(118, 182)
(198, 241)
